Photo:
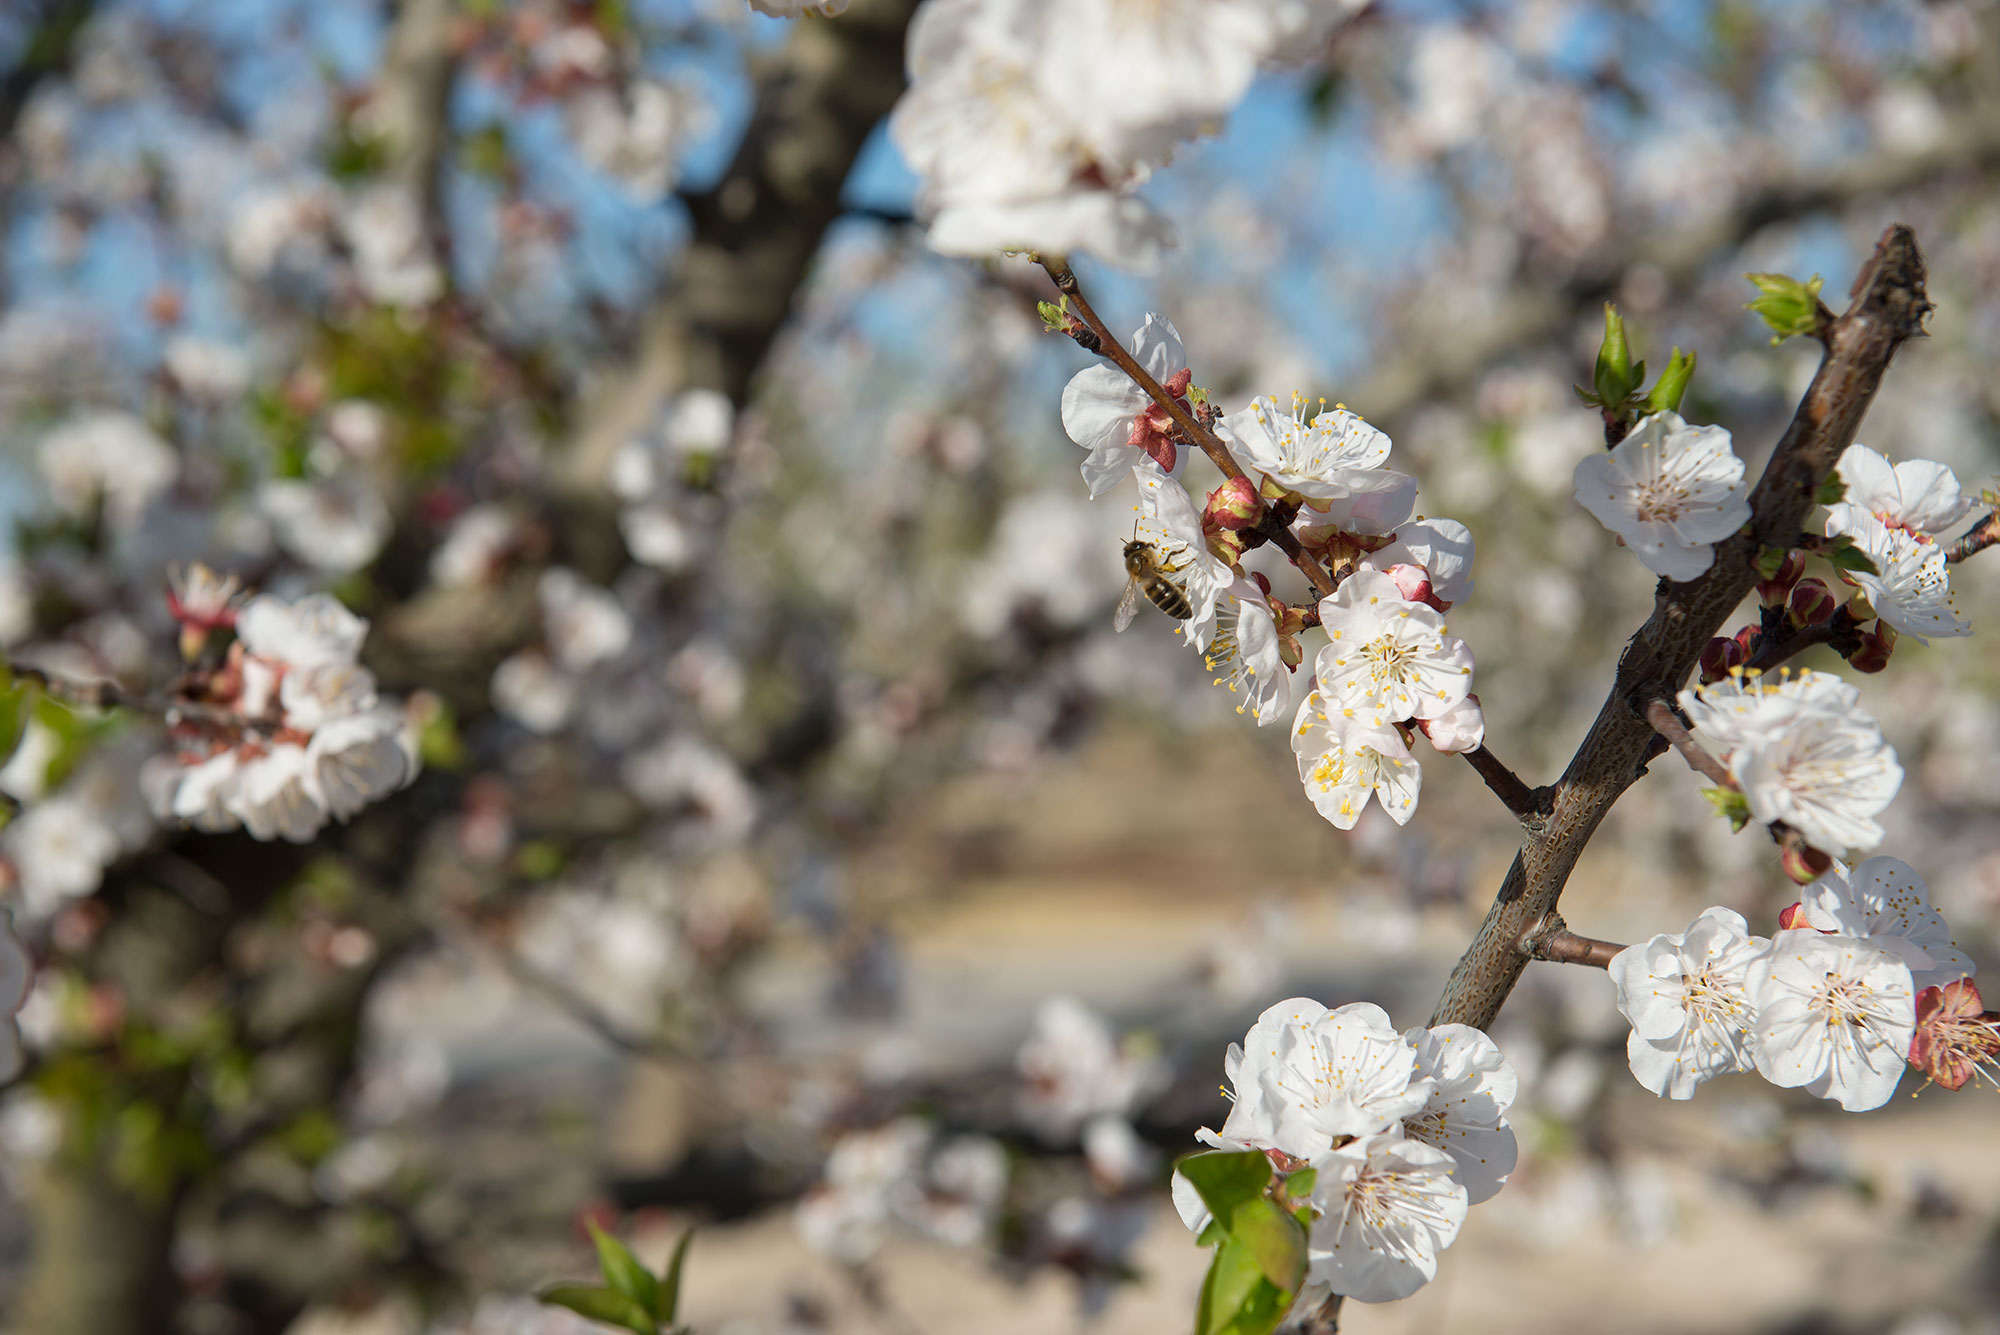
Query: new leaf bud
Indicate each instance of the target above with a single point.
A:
(1804, 863)
(1665, 396)
(1811, 603)
(1776, 586)
(1615, 379)
(1718, 656)
(1233, 505)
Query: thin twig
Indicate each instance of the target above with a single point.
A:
(1839, 630)
(1109, 346)
(1975, 540)
(1668, 724)
(104, 694)
(1563, 946)
(1506, 785)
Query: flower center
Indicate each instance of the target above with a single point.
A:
(1662, 501)
(1388, 661)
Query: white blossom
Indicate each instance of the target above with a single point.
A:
(274, 796)
(1330, 457)
(1917, 495)
(110, 455)
(59, 849)
(1884, 902)
(1687, 997)
(1472, 1087)
(1106, 413)
(1073, 1069)
(1835, 1015)
(1670, 490)
(384, 228)
(534, 692)
(1305, 1077)
(868, 1174)
(205, 368)
(585, 625)
(310, 632)
(1389, 659)
(473, 550)
(1171, 522)
(1244, 651)
(1459, 729)
(355, 760)
(1441, 547)
(1802, 752)
(1343, 762)
(336, 526)
(1911, 586)
(1387, 1206)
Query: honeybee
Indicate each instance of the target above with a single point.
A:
(1152, 576)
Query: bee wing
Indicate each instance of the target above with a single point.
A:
(1128, 606)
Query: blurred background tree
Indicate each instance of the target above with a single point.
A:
(723, 546)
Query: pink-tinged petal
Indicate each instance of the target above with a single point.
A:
(1098, 406)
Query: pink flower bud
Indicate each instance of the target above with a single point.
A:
(1804, 864)
(1718, 656)
(1413, 582)
(1811, 603)
(1772, 591)
(1749, 637)
(1233, 505)
(1791, 916)
(1872, 654)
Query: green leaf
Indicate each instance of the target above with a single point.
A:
(1832, 491)
(1665, 396)
(1769, 560)
(669, 1299)
(1731, 803)
(1846, 556)
(622, 1270)
(1614, 379)
(1275, 1239)
(1788, 306)
(607, 1305)
(1226, 1179)
(1238, 1297)
(1053, 316)
(1300, 1184)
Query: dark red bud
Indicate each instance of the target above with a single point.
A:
(1772, 591)
(1811, 603)
(1718, 656)
(1803, 864)
(1872, 654)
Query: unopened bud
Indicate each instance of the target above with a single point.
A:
(1791, 916)
(1804, 864)
(1811, 603)
(1774, 590)
(1227, 544)
(1718, 656)
(1233, 505)
(1872, 653)
(1749, 637)
(1413, 582)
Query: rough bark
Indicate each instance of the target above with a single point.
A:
(1889, 305)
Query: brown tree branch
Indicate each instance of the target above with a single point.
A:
(1563, 946)
(1975, 540)
(1506, 785)
(755, 233)
(1668, 724)
(1108, 345)
(1888, 307)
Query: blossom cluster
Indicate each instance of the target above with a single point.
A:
(1802, 752)
(1032, 122)
(949, 1190)
(1894, 514)
(289, 733)
(1388, 667)
(1829, 1003)
(1404, 1131)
